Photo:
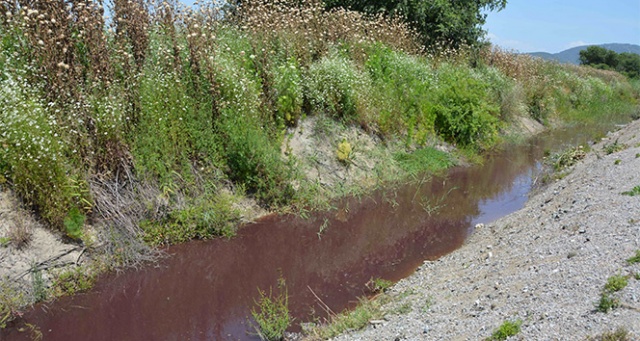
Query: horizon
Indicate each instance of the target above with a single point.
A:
(545, 26)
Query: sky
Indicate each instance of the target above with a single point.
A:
(556, 25)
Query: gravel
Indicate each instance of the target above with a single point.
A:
(545, 265)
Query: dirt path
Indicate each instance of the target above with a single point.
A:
(545, 265)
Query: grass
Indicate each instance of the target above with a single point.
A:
(355, 319)
(72, 281)
(568, 158)
(620, 334)
(633, 192)
(11, 301)
(616, 283)
(607, 300)
(506, 330)
(635, 259)
(607, 303)
(379, 285)
(614, 147)
(272, 314)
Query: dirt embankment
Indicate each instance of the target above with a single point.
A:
(545, 265)
(26, 246)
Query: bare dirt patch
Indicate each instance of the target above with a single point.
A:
(43, 249)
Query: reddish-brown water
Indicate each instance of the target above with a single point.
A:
(205, 290)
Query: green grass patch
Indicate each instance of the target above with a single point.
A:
(355, 319)
(568, 158)
(506, 330)
(272, 314)
(616, 283)
(620, 334)
(614, 147)
(424, 160)
(635, 259)
(633, 192)
(205, 217)
(70, 282)
(379, 285)
(11, 302)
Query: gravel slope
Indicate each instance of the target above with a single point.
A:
(545, 264)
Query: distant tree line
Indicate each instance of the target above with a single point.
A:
(626, 63)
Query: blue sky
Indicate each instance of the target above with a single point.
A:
(556, 25)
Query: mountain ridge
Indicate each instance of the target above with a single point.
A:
(572, 55)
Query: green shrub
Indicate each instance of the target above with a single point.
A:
(620, 334)
(379, 285)
(424, 160)
(11, 301)
(464, 113)
(272, 314)
(335, 86)
(254, 160)
(289, 92)
(606, 303)
(355, 319)
(204, 218)
(633, 192)
(402, 87)
(506, 330)
(34, 156)
(38, 284)
(74, 223)
(616, 283)
(635, 259)
(70, 282)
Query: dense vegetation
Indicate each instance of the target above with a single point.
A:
(626, 63)
(439, 22)
(153, 124)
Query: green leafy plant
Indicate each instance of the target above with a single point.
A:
(464, 113)
(424, 160)
(614, 147)
(616, 283)
(335, 86)
(38, 284)
(607, 302)
(70, 282)
(506, 330)
(11, 301)
(568, 158)
(355, 319)
(635, 259)
(74, 223)
(633, 192)
(272, 313)
(379, 285)
(204, 217)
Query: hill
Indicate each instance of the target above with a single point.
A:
(572, 55)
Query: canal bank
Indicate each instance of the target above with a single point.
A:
(544, 266)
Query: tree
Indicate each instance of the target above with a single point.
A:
(597, 55)
(629, 64)
(452, 23)
(601, 58)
